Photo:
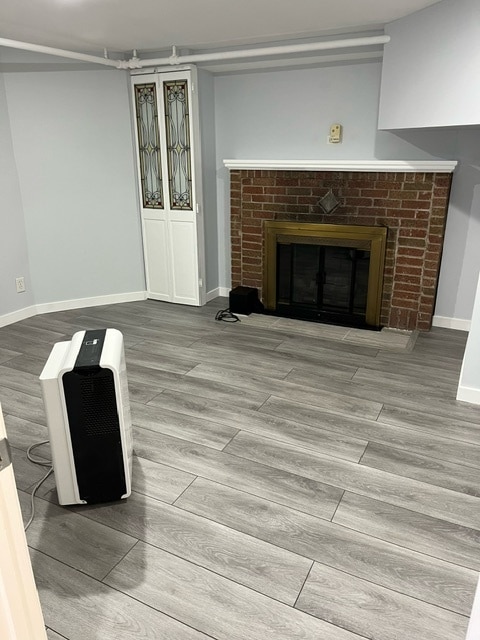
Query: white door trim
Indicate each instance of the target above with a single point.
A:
(20, 612)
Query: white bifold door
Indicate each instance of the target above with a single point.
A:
(168, 154)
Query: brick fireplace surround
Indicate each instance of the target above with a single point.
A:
(412, 205)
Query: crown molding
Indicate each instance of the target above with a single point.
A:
(407, 166)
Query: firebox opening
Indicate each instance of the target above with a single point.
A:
(325, 273)
(324, 283)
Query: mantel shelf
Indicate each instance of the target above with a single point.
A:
(407, 166)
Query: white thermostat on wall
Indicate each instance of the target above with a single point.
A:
(335, 134)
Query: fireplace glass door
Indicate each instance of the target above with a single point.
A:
(322, 282)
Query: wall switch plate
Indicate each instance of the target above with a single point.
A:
(20, 284)
(335, 135)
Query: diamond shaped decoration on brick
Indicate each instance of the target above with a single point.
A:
(329, 202)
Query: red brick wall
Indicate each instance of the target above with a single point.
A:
(412, 206)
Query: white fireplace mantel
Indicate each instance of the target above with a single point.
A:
(407, 166)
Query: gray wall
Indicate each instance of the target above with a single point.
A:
(461, 258)
(430, 68)
(13, 242)
(71, 133)
(207, 132)
(287, 114)
(461, 255)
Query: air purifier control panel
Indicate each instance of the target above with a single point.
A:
(91, 349)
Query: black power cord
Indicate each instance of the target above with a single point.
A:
(226, 316)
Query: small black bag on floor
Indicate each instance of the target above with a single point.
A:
(244, 300)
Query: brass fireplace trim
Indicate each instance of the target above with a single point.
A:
(350, 236)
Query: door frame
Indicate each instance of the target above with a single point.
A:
(21, 615)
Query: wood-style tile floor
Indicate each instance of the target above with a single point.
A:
(288, 483)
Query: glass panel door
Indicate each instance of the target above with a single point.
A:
(149, 145)
(177, 128)
(168, 155)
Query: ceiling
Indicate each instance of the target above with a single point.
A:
(155, 25)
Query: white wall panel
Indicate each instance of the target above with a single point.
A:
(156, 249)
(184, 262)
(430, 68)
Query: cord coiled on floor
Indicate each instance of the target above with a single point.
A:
(226, 316)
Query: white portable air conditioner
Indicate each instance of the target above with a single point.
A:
(84, 387)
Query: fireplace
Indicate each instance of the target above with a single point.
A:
(409, 200)
(324, 272)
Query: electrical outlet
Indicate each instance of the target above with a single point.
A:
(335, 135)
(20, 282)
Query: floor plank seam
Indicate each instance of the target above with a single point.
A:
(181, 494)
(117, 563)
(231, 439)
(336, 508)
(359, 461)
(303, 584)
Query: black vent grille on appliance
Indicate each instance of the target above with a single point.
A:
(99, 418)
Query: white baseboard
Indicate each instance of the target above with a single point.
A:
(65, 305)
(211, 295)
(451, 323)
(468, 394)
(218, 292)
(16, 316)
(97, 301)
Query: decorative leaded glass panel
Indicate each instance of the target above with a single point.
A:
(149, 145)
(178, 144)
